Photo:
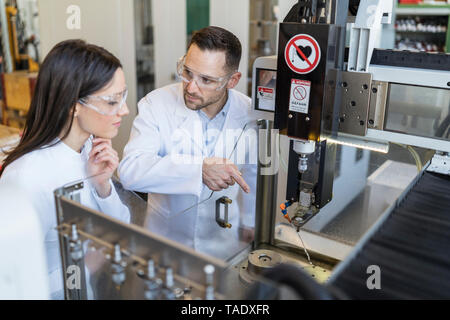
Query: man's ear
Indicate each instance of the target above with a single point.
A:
(234, 80)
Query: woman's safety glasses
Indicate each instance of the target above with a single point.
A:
(105, 105)
(203, 81)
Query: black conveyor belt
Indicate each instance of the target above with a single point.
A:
(412, 248)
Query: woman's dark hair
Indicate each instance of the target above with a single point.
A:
(72, 70)
(218, 39)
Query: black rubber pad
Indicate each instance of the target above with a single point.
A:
(411, 248)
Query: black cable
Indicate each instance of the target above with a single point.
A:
(295, 278)
(299, 10)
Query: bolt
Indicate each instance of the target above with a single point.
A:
(209, 272)
(374, 90)
(117, 253)
(169, 278)
(151, 269)
(74, 232)
(291, 116)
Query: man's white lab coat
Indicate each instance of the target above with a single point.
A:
(164, 158)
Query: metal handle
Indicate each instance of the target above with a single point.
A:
(223, 223)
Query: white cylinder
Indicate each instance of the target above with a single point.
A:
(304, 147)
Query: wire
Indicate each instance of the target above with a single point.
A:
(297, 231)
(212, 192)
(414, 154)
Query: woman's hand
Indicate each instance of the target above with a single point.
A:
(103, 161)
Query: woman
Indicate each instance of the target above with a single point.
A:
(76, 110)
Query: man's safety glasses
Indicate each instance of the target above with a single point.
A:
(203, 81)
(105, 105)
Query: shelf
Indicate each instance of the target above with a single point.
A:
(423, 9)
(422, 32)
(426, 10)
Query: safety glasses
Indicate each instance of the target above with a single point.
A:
(203, 81)
(105, 105)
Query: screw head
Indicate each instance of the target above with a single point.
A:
(209, 269)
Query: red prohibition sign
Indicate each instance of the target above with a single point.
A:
(300, 93)
(312, 43)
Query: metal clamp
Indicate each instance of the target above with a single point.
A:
(223, 222)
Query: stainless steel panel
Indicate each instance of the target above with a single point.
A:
(355, 102)
(419, 111)
(378, 100)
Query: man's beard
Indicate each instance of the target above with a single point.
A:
(202, 104)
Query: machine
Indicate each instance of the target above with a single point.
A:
(327, 96)
(319, 104)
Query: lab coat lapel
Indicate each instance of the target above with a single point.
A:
(189, 125)
(234, 123)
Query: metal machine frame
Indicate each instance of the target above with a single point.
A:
(359, 84)
(151, 257)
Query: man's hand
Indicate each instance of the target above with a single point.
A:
(219, 174)
(103, 161)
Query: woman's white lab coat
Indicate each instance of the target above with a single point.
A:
(164, 158)
(38, 174)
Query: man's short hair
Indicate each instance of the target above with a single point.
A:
(219, 39)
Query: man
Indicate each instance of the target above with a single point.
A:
(184, 142)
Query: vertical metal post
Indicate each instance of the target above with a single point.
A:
(266, 190)
(5, 38)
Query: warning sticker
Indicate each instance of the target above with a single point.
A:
(266, 93)
(266, 98)
(300, 92)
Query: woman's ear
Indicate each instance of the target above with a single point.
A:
(75, 111)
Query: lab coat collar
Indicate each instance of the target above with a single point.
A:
(190, 122)
(181, 109)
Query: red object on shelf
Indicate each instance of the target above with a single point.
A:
(409, 1)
